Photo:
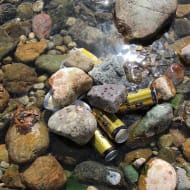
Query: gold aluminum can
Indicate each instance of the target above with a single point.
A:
(112, 125)
(104, 146)
(139, 100)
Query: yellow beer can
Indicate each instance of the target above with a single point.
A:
(112, 125)
(139, 100)
(104, 146)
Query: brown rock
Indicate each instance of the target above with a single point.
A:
(136, 154)
(4, 97)
(28, 137)
(45, 173)
(178, 137)
(68, 84)
(30, 52)
(183, 10)
(3, 153)
(164, 88)
(180, 44)
(21, 81)
(186, 148)
(11, 177)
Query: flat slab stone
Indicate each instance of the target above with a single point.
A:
(142, 19)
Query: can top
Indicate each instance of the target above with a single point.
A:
(111, 155)
(121, 136)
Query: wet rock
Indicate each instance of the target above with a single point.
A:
(130, 17)
(107, 97)
(73, 122)
(58, 9)
(44, 173)
(76, 58)
(50, 63)
(183, 10)
(7, 12)
(166, 140)
(16, 29)
(158, 175)
(131, 174)
(24, 10)
(90, 38)
(110, 72)
(11, 177)
(136, 154)
(91, 171)
(38, 6)
(185, 54)
(180, 44)
(6, 42)
(4, 97)
(23, 79)
(42, 25)
(178, 137)
(68, 153)
(182, 27)
(175, 73)
(133, 72)
(27, 137)
(168, 154)
(186, 148)
(164, 88)
(68, 84)
(183, 182)
(3, 153)
(30, 52)
(157, 120)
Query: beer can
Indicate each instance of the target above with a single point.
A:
(139, 100)
(104, 146)
(112, 125)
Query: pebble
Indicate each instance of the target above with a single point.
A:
(186, 149)
(66, 86)
(79, 124)
(44, 173)
(31, 35)
(107, 97)
(159, 175)
(164, 88)
(39, 86)
(72, 45)
(4, 164)
(38, 6)
(42, 78)
(175, 73)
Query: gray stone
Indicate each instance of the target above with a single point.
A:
(183, 180)
(90, 37)
(95, 172)
(110, 71)
(6, 43)
(107, 97)
(50, 63)
(156, 120)
(76, 58)
(182, 27)
(185, 54)
(24, 10)
(7, 12)
(73, 122)
(142, 19)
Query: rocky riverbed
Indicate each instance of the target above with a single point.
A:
(94, 95)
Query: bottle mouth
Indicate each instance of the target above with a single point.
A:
(111, 155)
(121, 136)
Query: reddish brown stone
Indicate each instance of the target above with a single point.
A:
(45, 173)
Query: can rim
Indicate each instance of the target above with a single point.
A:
(121, 136)
(111, 155)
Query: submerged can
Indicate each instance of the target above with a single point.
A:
(139, 100)
(112, 125)
(104, 146)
